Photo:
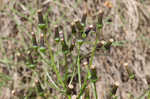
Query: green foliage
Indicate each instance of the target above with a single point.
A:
(50, 65)
(4, 80)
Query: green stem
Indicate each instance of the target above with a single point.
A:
(69, 97)
(66, 68)
(94, 90)
(90, 63)
(83, 87)
(54, 67)
(78, 64)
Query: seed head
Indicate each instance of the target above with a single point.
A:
(85, 63)
(13, 92)
(74, 97)
(108, 4)
(70, 86)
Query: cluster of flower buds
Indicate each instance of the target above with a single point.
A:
(105, 44)
(80, 27)
(35, 44)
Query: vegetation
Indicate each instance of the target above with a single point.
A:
(81, 49)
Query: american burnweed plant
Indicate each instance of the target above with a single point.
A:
(68, 75)
(49, 61)
(58, 65)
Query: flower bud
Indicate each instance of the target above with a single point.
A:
(13, 92)
(42, 46)
(148, 79)
(114, 87)
(34, 42)
(79, 25)
(88, 29)
(85, 63)
(73, 28)
(108, 4)
(63, 43)
(57, 34)
(100, 18)
(93, 73)
(80, 42)
(129, 71)
(100, 44)
(70, 86)
(108, 44)
(72, 45)
(41, 24)
(40, 16)
(83, 19)
(61, 35)
(74, 97)
(42, 40)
